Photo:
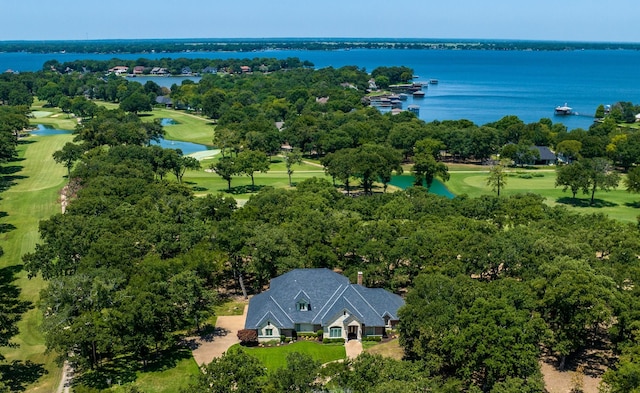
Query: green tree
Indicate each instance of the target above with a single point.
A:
(572, 176)
(600, 112)
(68, 155)
(600, 175)
(250, 161)
(497, 177)
(482, 333)
(569, 149)
(226, 168)
(178, 164)
(576, 302)
(136, 102)
(234, 371)
(299, 375)
(632, 181)
(426, 168)
(291, 158)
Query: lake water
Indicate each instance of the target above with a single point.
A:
(481, 86)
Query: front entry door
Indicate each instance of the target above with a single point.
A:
(352, 333)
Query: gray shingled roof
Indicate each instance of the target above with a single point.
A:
(327, 292)
(545, 153)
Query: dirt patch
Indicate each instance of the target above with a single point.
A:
(556, 381)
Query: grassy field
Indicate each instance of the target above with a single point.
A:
(274, 358)
(618, 204)
(36, 180)
(389, 349)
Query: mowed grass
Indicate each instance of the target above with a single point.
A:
(205, 181)
(617, 204)
(188, 127)
(389, 349)
(169, 380)
(274, 358)
(37, 180)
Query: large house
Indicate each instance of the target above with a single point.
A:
(308, 300)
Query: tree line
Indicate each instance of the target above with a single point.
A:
(260, 44)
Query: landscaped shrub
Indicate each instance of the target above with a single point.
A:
(319, 333)
(372, 338)
(248, 337)
(333, 340)
(282, 337)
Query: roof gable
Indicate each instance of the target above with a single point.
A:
(328, 293)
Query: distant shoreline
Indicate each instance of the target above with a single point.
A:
(120, 46)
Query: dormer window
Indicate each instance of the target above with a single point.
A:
(303, 306)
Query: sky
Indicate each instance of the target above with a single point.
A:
(557, 20)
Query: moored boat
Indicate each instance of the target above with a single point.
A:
(563, 110)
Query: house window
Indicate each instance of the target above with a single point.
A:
(268, 332)
(335, 332)
(304, 306)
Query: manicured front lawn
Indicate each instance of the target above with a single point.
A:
(274, 358)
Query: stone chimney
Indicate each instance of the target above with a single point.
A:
(359, 278)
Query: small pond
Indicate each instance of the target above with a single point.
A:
(45, 130)
(186, 147)
(167, 121)
(437, 187)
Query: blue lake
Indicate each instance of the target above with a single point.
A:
(478, 85)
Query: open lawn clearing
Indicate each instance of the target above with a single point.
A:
(274, 358)
(169, 378)
(33, 196)
(617, 204)
(204, 182)
(189, 128)
(389, 349)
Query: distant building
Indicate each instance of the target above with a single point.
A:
(138, 70)
(245, 69)
(164, 100)
(210, 70)
(547, 157)
(119, 70)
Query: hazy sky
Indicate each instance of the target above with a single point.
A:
(562, 20)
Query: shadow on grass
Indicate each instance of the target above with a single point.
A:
(4, 228)
(195, 186)
(125, 369)
(635, 204)
(25, 142)
(17, 374)
(244, 189)
(10, 169)
(578, 202)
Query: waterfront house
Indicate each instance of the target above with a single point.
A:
(119, 70)
(308, 300)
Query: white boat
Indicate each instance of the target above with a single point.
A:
(563, 110)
